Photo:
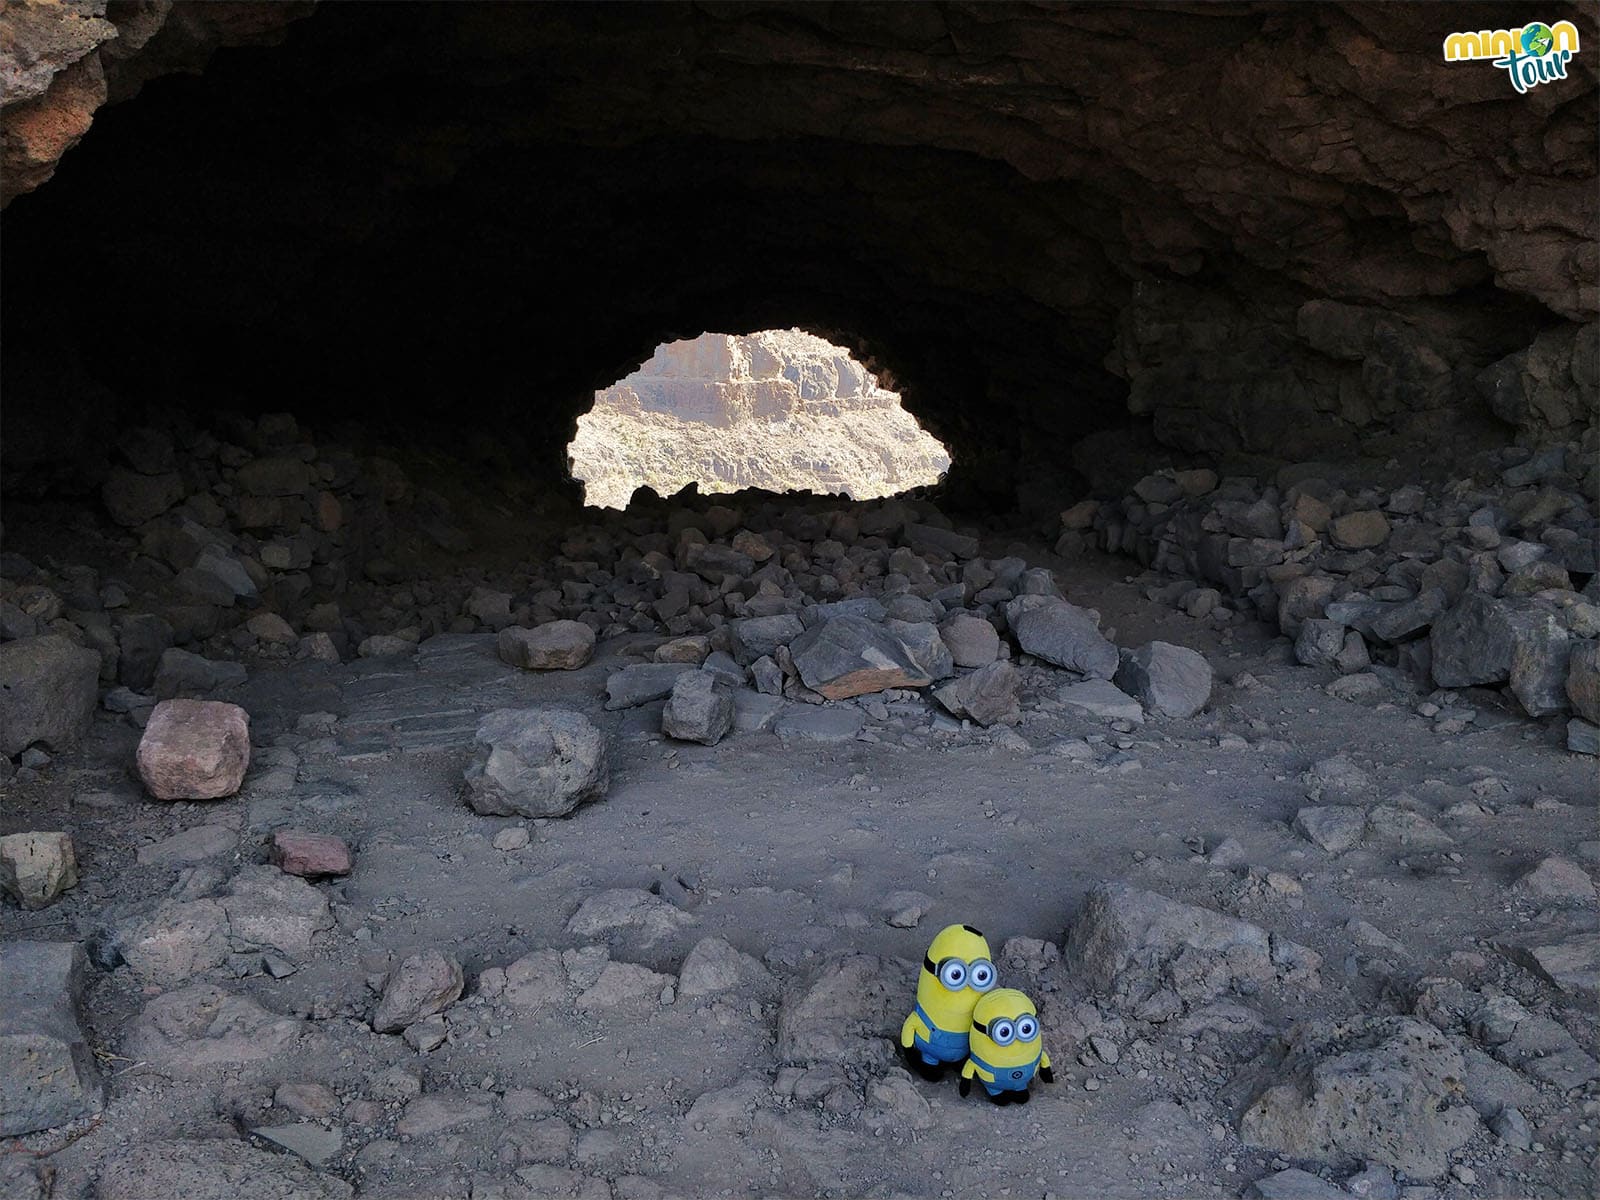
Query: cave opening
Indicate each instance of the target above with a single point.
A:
(1240, 677)
(780, 410)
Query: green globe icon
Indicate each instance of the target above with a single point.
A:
(1537, 39)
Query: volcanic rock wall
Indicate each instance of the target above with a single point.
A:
(1209, 231)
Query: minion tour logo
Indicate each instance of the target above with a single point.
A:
(1534, 54)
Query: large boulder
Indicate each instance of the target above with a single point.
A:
(1062, 634)
(535, 762)
(850, 656)
(47, 1071)
(987, 696)
(48, 690)
(1583, 681)
(553, 646)
(971, 640)
(1386, 1089)
(194, 750)
(757, 637)
(700, 708)
(1155, 956)
(1168, 679)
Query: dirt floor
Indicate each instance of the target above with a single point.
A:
(794, 849)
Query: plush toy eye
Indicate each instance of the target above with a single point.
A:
(953, 974)
(1002, 1033)
(1027, 1029)
(982, 976)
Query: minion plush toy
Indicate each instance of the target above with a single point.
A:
(1005, 1050)
(956, 971)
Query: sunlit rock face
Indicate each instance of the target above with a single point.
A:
(780, 409)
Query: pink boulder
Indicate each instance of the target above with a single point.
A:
(194, 750)
(297, 852)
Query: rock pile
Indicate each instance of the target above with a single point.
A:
(1471, 584)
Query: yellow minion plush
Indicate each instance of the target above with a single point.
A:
(956, 971)
(1004, 1047)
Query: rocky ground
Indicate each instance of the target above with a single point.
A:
(607, 871)
(780, 409)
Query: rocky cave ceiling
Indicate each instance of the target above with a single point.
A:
(1226, 229)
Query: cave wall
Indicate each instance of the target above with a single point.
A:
(1233, 229)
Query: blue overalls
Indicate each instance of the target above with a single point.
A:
(1006, 1079)
(943, 1046)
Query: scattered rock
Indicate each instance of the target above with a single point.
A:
(47, 1070)
(1295, 1184)
(847, 1011)
(642, 683)
(310, 855)
(1556, 880)
(971, 640)
(1333, 827)
(423, 984)
(314, 1142)
(435, 1113)
(700, 709)
(516, 837)
(535, 762)
(266, 908)
(1380, 1088)
(850, 656)
(987, 696)
(1172, 680)
(1569, 961)
(629, 909)
(1359, 530)
(1103, 699)
(48, 691)
(714, 967)
(194, 750)
(1153, 956)
(35, 868)
(905, 910)
(192, 845)
(192, 1031)
(553, 646)
(1062, 634)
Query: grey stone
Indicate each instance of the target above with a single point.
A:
(1320, 642)
(845, 1012)
(216, 1169)
(190, 1032)
(268, 909)
(47, 1070)
(176, 941)
(849, 656)
(631, 910)
(48, 691)
(927, 648)
(868, 608)
(1540, 654)
(1172, 680)
(943, 543)
(714, 967)
(420, 986)
(1333, 827)
(1359, 530)
(808, 723)
(1295, 1184)
(759, 637)
(181, 673)
(1583, 680)
(1511, 1127)
(1379, 1088)
(535, 762)
(1402, 620)
(553, 646)
(36, 867)
(642, 683)
(700, 708)
(987, 696)
(1557, 880)
(132, 498)
(1582, 737)
(1102, 698)
(971, 640)
(1062, 634)
(1392, 823)
(1473, 642)
(767, 676)
(1337, 779)
(1137, 947)
(309, 1140)
(755, 712)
